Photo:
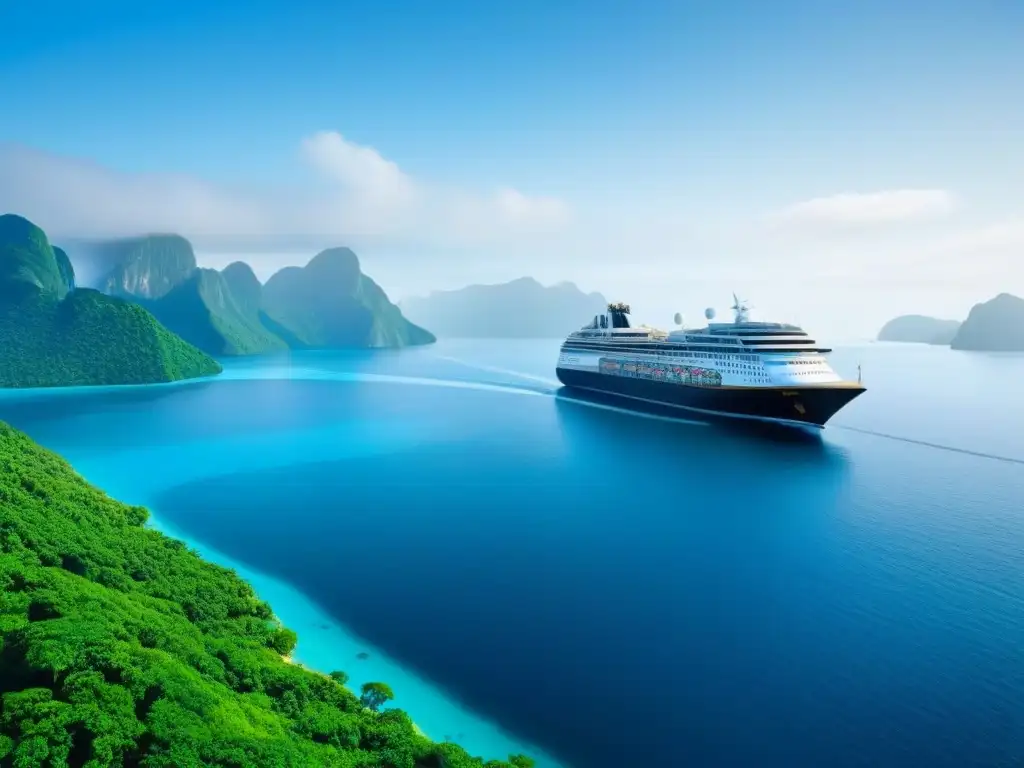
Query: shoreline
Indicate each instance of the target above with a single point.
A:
(125, 473)
(290, 659)
(435, 714)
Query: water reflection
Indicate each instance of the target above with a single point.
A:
(652, 428)
(58, 403)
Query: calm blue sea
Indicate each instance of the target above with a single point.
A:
(600, 588)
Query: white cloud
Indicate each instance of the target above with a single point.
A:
(1004, 236)
(76, 197)
(365, 199)
(858, 209)
(517, 207)
(991, 252)
(361, 171)
(861, 252)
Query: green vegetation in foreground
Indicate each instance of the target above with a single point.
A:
(52, 335)
(120, 646)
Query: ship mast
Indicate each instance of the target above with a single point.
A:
(740, 309)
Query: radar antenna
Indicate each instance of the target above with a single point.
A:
(741, 309)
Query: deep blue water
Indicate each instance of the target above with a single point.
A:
(621, 590)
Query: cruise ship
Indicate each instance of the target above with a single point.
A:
(753, 370)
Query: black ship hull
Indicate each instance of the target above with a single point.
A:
(801, 405)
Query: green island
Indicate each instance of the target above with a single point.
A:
(53, 334)
(121, 646)
(208, 309)
(996, 325)
(331, 304)
(919, 329)
(327, 304)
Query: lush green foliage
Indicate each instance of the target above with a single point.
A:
(120, 646)
(89, 338)
(52, 335)
(375, 695)
(331, 303)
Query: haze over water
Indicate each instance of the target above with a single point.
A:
(621, 590)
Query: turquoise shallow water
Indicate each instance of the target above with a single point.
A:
(612, 589)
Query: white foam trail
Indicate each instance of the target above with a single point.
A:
(506, 371)
(312, 374)
(928, 444)
(452, 383)
(556, 383)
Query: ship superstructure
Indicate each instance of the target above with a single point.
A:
(743, 368)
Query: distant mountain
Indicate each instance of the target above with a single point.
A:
(92, 260)
(67, 272)
(52, 334)
(327, 303)
(159, 272)
(207, 310)
(522, 308)
(244, 286)
(330, 303)
(28, 264)
(996, 325)
(146, 267)
(920, 329)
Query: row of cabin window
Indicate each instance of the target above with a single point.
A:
(720, 353)
(750, 371)
(632, 346)
(662, 352)
(651, 349)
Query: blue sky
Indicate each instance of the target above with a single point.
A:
(659, 137)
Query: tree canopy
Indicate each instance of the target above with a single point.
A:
(121, 646)
(375, 695)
